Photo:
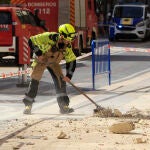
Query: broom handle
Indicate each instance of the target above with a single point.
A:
(83, 93)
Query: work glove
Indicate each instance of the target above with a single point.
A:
(61, 45)
(66, 79)
(54, 48)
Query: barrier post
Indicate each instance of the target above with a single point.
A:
(23, 80)
(93, 64)
(100, 59)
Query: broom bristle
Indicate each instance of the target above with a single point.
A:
(105, 112)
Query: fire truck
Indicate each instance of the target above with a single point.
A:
(17, 24)
(80, 13)
(20, 24)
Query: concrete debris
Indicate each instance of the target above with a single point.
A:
(108, 112)
(122, 127)
(117, 113)
(137, 113)
(105, 112)
(139, 141)
(30, 143)
(133, 112)
(62, 135)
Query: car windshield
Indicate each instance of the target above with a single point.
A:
(128, 12)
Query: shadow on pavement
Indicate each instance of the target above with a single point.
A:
(8, 86)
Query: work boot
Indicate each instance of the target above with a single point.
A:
(66, 110)
(28, 107)
(27, 110)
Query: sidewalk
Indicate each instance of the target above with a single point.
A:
(81, 130)
(124, 95)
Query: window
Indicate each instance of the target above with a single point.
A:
(128, 12)
(5, 17)
(26, 17)
(32, 19)
(20, 16)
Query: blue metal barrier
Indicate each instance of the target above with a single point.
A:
(100, 59)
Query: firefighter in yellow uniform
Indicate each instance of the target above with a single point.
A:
(49, 48)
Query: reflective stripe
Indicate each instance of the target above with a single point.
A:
(29, 98)
(61, 94)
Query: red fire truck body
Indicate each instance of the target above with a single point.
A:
(16, 26)
(79, 13)
(48, 11)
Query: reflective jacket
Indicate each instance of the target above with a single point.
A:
(43, 41)
(46, 40)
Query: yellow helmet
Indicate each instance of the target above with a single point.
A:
(68, 31)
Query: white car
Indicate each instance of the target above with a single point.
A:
(130, 21)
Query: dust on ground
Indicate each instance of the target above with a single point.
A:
(90, 133)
